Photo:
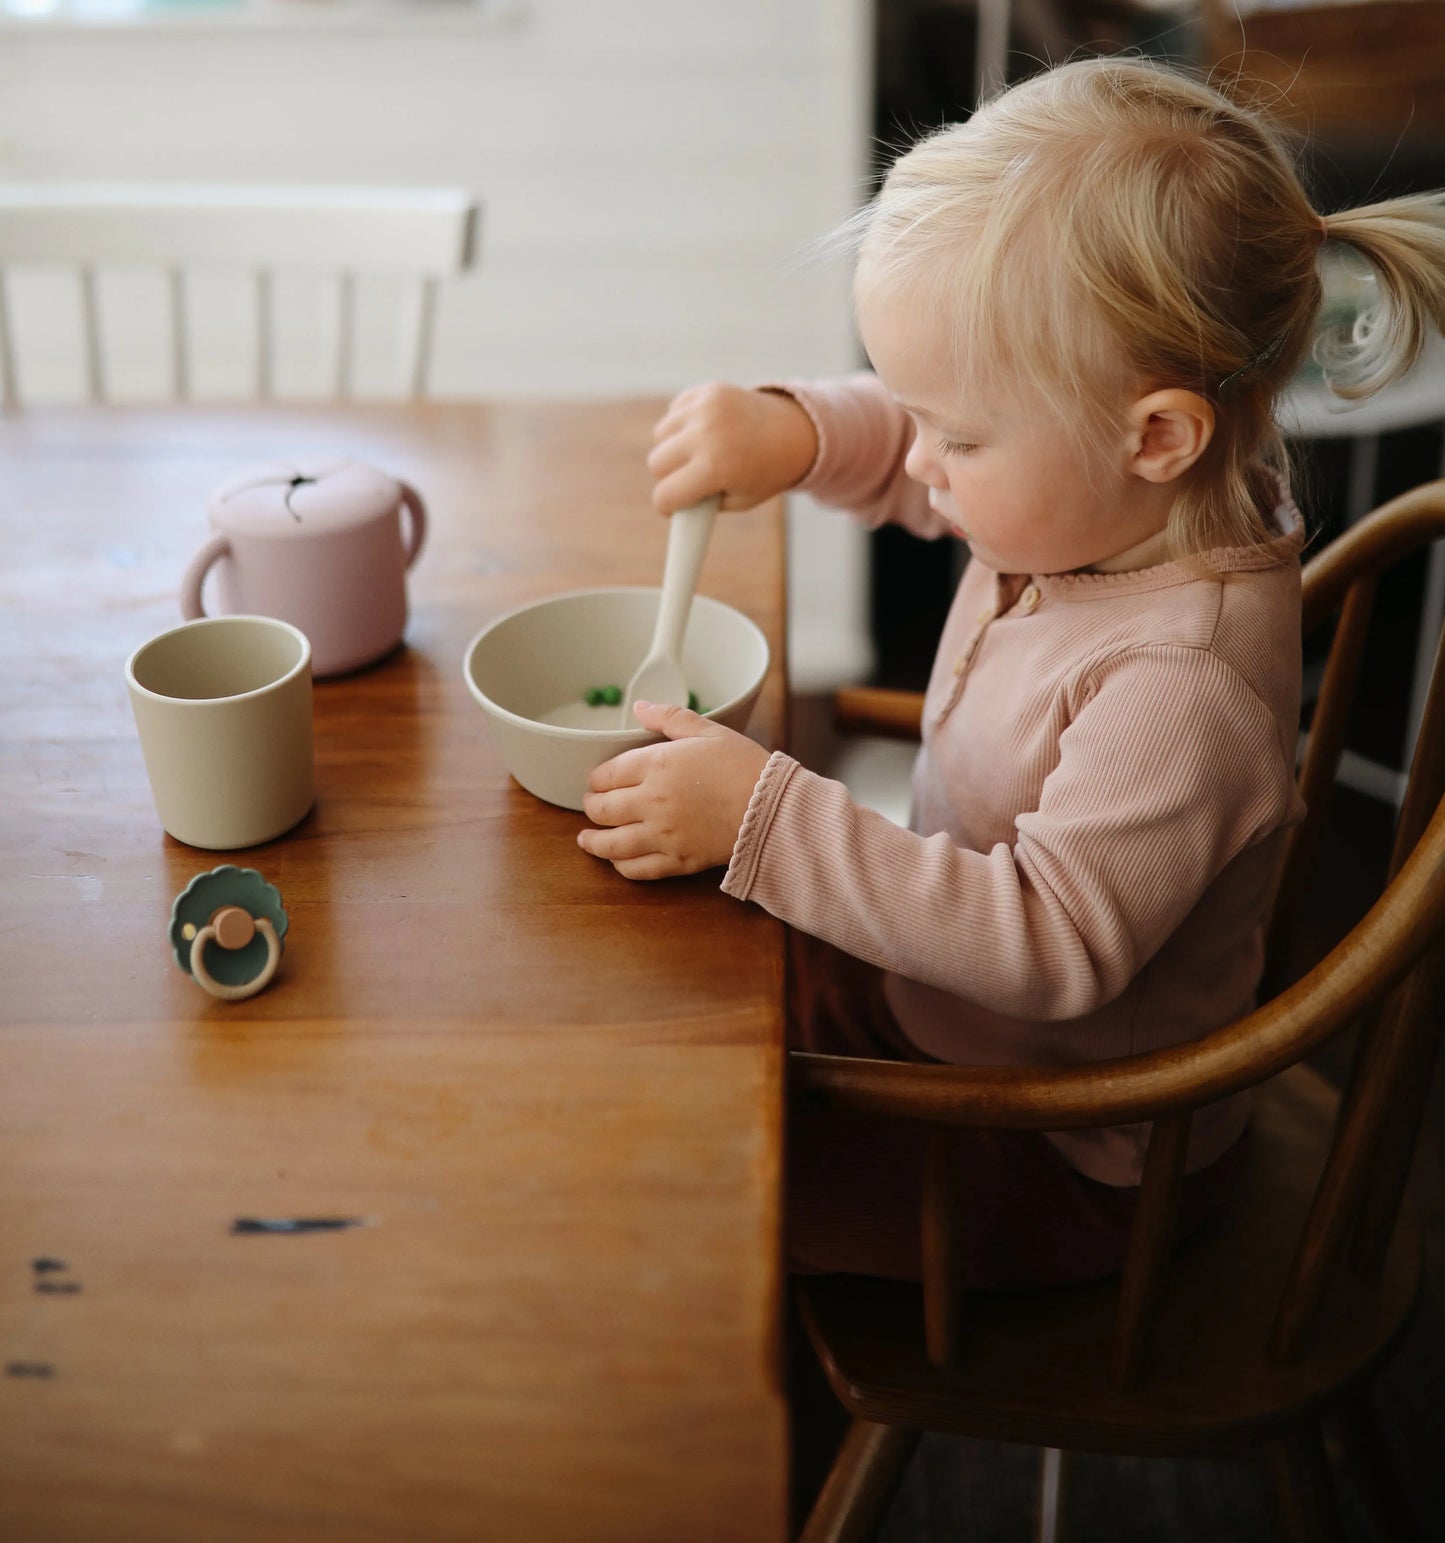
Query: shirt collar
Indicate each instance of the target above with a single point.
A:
(1253, 558)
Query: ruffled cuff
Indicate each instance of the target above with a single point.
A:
(762, 806)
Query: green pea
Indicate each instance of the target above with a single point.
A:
(593, 696)
(612, 695)
(692, 701)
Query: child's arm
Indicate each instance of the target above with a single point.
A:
(1142, 812)
(844, 441)
(864, 437)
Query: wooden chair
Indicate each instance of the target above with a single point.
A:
(1274, 1314)
(248, 244)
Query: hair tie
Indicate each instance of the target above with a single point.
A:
(1253, 370)
(1324, 224)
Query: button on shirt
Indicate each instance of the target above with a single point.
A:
(1014, 597)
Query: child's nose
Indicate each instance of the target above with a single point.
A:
(921, 464)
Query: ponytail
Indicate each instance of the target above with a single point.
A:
(1403, 241)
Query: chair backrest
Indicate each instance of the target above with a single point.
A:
(164, 280)
(1357, 1202)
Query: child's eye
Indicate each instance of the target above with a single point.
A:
(954, 447)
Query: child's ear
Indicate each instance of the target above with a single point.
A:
(1168, 432)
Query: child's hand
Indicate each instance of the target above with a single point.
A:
(673, 808)
(746, 445)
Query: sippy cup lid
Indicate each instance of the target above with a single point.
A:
(310, 496)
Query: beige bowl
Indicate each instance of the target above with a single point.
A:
(543, 658)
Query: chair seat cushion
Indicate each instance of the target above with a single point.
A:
(1035, 1363)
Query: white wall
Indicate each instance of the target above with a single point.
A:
(650, 168)
(651, 172)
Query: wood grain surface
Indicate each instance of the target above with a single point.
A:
(551, 1098)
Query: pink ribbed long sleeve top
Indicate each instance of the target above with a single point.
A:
(1106, 775)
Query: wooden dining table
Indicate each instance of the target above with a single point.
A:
(468, 1225)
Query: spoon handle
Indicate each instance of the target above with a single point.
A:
(687, 537)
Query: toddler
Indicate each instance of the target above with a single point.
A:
(1079, 307)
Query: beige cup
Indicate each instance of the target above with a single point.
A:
(223, 708)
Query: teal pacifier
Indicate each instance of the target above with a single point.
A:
(228, 928)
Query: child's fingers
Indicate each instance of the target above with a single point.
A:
(671, 422)
(655, 865)
(686, 486)
(683, 408)
(622, 771)
(681, 412)
(677, 722)
(739, 502)
(688, 395)
(618, 844)
(668, 454)
(615, 808)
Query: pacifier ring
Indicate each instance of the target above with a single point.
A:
(211, 933)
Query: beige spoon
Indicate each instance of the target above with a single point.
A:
(659, 677)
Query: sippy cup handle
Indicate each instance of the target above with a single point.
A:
(412, 499)
(195, 576)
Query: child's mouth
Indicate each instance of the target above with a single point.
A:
(943, 505)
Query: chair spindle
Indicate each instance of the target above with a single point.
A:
(180, 335)
(862, 1481)
(90, 323)
(265, 363)
(9, 391)
(1427, 768)
(345, 323)
(942, 1258)
(1321, 758)
(1368, 1457)
(1338, 1195)
(426, 307)
(1412, 1010)
(1302, 1487)
(1151, 1237)
(1416, 1009)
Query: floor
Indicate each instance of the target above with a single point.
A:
(956, 1489)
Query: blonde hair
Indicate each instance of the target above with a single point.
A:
(1113, 225)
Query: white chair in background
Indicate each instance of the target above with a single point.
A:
(165, 281)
